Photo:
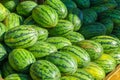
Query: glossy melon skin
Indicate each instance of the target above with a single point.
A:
(45, 16)
(21, 37)
(60, 8)
(44, 70)
(25, 8)
(21, 59)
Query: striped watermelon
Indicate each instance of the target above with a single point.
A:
(2, 30)
(45, 16)
(108, 43)
(95, 70)
(63, 27)
(10, 4)
(93, 29)
(89, 16)
(25, 8)
(81, 56)
(66, 63)
(59, 42)
(42, 49)
(16, 76)
(107, 62)
(29, 21)
(82, 75)
(59, 6)
(94, 49)
(21, 59)
(44, 70)
(12, 20)
(3, 53)
(21, 37)
(74, 37)
(116, 55)
(3, 12)
(75, 21)
(7, 69)
(42, 33)
(69, 78)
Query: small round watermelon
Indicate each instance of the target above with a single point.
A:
(94, 49)
(107, 62)
(44, 70)
(59, 6)
(66, 63)
(95, 70)
(25, 8)
(21, 59)
(45, 16)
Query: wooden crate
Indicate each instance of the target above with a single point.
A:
(114, 75)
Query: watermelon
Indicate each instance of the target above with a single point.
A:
(66, 63)
(69, 4)
(2, 30)
(16, 76)
(116, 55)
(10, 4)
(42, 33)
(89, 16)
(95, 70)
(75, 21)
(21, 37)
(7, 69)
(59, 42)
(45, 16)
(93, 29)
(82, 75)
(77, 12)
(83, 3)
(74, 37)
(29, 21)
(25, 8)
(69, 78)
(94, 49)
(112, 14)
(21, 59)
(3, 53)
(107, 62)
(3, 12)
(108, 23)
(59, 6)
(63, 27)
(81, 56)
(108, 43)
(42, 49)
(44, 70)
(12, 20)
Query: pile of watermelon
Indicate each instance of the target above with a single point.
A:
(59, 39)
